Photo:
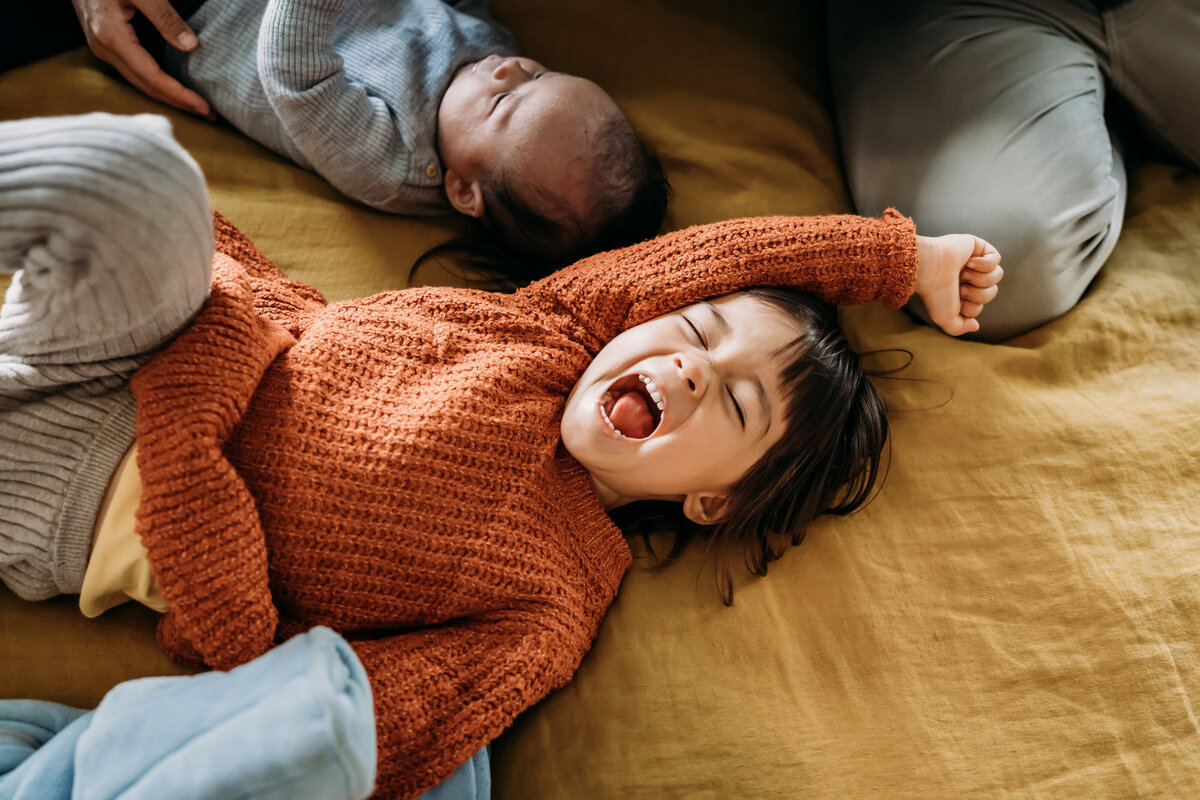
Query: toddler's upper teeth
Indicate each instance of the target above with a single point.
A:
(652, 388)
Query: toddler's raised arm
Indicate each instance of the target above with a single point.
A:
(842, 259)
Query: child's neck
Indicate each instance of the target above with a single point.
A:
(608, 498)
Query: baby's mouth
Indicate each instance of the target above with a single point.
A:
(633, 406)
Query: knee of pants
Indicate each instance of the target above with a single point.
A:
(1050, 257)
(110, 202)
(173, 182)
(119, 187)
(1054, 233)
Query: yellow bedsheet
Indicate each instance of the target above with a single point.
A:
(1016, 615)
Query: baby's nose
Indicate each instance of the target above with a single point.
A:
(508, 68)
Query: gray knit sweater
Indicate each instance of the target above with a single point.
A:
(105, 228)
(347, 88)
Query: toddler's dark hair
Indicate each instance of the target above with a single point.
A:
(528, 236)
(827, 461)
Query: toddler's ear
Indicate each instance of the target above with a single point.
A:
(704, 508)
(465, 196)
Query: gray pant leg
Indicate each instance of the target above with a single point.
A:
(985, 118)
(1154, 55)
(104, 223)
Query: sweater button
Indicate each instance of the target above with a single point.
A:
(431, 171)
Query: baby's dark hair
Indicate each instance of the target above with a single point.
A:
(827, 462)
(527, 235)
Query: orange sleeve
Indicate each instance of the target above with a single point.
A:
(197, 519)
(276, 296)
(842, 259)
(442, 693)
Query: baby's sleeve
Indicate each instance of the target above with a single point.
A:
(347, 133)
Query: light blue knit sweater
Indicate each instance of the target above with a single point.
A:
(347, 88)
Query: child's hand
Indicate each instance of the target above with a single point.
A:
(109, 32)
(956, 276)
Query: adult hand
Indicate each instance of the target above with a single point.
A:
(956, 276)
(107, 25)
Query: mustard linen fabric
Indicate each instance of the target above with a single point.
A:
(1016, 615)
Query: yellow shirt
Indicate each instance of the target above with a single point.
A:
(118, 569)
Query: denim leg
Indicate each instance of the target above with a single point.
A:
(471, 781)
(37, 749)
(294, 724)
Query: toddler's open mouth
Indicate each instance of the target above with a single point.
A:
(633, 406)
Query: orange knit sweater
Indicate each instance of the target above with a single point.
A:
(391, 466)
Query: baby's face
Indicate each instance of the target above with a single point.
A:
(513, 116)
(682, 405)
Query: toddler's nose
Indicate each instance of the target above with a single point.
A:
(691, 373)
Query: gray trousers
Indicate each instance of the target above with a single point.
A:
(989, 118)
(106, 230)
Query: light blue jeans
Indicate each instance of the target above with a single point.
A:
(295, 724)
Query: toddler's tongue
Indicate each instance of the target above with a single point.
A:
(631, 416)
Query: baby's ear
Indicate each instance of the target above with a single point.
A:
(465, 196)
(705, 508)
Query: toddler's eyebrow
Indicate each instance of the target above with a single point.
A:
(723, 328)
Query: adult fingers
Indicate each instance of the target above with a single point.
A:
(110, 35)
(166, 19)
(140, 69)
